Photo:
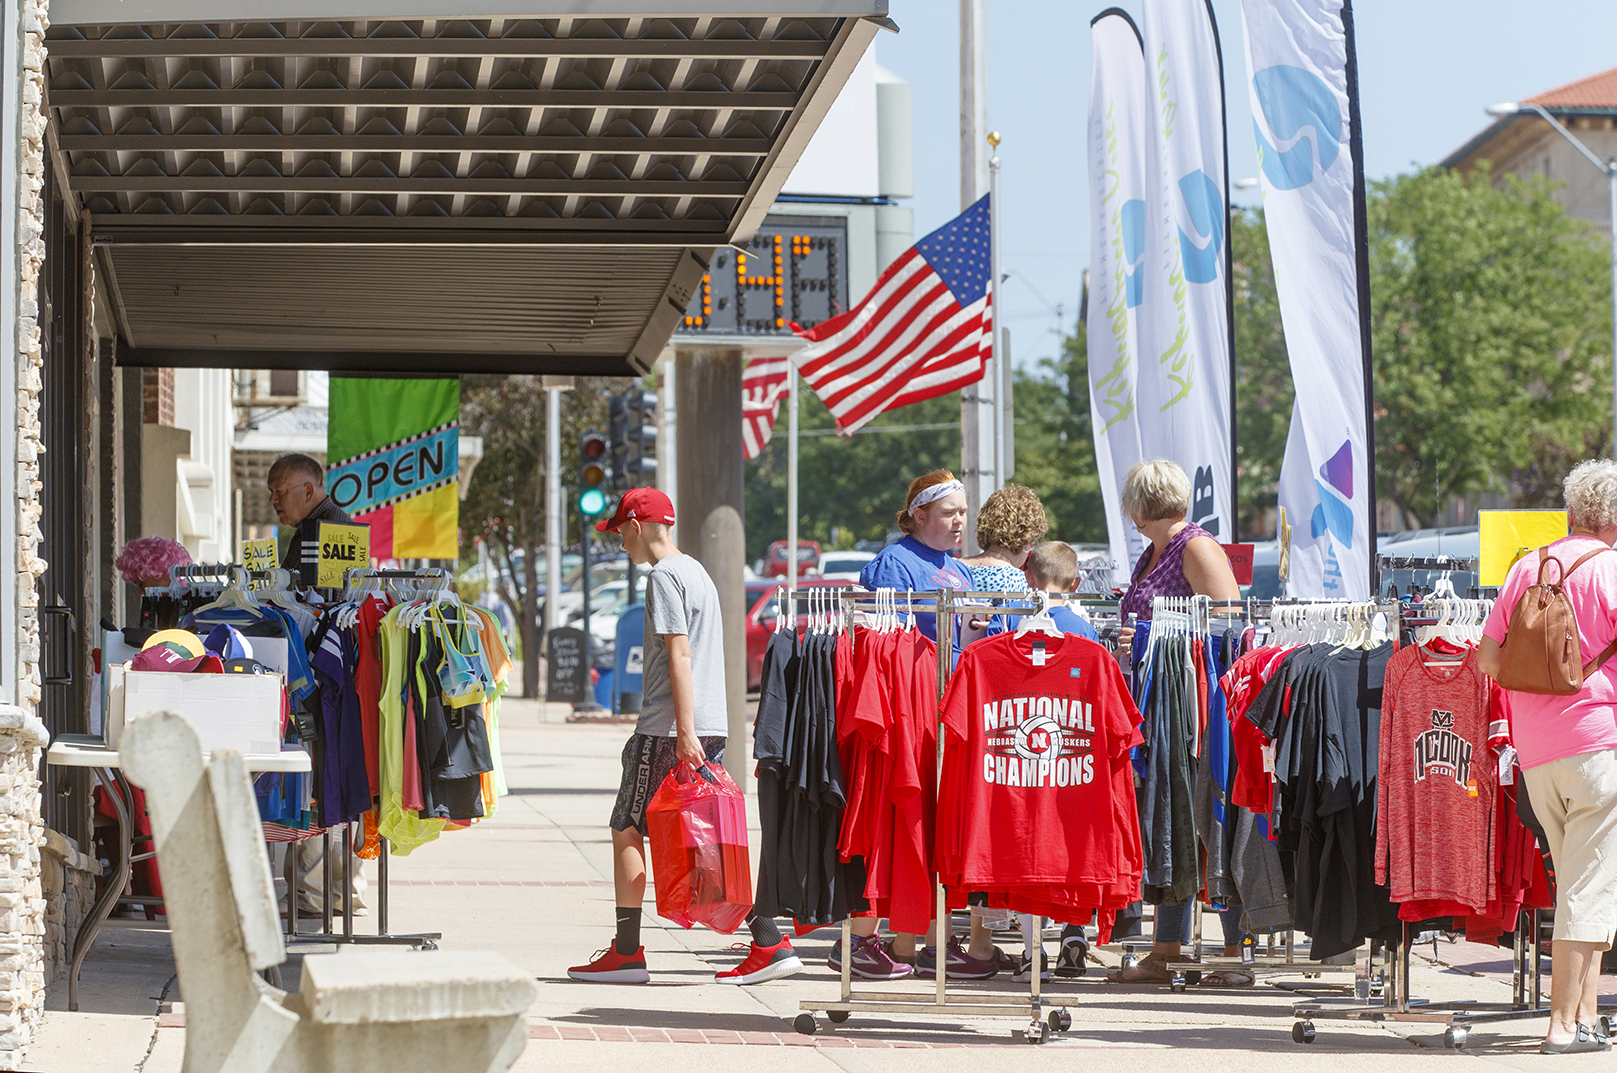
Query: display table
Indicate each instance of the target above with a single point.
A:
(90, 751)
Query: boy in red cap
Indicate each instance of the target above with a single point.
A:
(684, 719)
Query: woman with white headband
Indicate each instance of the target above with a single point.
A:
(933, 521)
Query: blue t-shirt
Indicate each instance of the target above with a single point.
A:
(1066, 619)
(910, 565)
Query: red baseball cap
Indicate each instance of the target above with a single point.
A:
(641, 505)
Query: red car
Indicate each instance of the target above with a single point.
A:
(808, 558)
(761, 620)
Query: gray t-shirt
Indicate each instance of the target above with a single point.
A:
(680, 598)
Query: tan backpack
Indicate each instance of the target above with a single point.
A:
(1541, 652)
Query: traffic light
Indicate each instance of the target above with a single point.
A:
(640, 465)
(617, 425)
(594, 470)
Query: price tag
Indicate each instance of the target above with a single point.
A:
(1269, 757)
(341, 547)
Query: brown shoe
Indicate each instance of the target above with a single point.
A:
(1151, 969)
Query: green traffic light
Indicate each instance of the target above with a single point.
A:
(591, 501)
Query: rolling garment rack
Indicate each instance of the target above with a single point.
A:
(415, 582)
(1394, 1003)
(1293, 613)
(1045, 1019)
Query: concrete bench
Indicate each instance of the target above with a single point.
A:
(360, 1011)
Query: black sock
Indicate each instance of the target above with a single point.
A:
(764, 932)
(628, 931)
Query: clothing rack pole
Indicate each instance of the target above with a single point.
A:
(945, 605)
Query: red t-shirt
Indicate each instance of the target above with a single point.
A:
(1034, 725)
(1437, 782)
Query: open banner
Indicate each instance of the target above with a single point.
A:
(393, 462)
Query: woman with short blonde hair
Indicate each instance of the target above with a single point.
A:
(1183, 560)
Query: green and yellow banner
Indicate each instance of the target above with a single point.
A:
(393, 462)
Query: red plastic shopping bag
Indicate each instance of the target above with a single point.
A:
(697, 822)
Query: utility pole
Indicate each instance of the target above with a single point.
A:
(978, 433)
(555, 510)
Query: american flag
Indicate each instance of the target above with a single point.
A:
(763, 385)
(924, 330)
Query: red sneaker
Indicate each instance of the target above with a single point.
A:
(611, 967)
(763, 963)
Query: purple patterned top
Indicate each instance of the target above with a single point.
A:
(1167, 576)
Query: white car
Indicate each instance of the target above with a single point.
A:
(843, 565)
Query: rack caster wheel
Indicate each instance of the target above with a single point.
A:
(1193, 977)
(1129, 961)
(836, 1017)
(1302, 1032)
(1036, 1033)
(1059, 1021)
(1454, 1037)
(805, 1024)
(1177, 982)
(1607, 1024)
(428, 945)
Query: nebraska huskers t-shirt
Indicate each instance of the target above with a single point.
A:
(1040, 719)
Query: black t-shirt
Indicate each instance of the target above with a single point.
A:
(779, 681)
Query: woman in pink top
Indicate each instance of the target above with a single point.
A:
(1568, 751)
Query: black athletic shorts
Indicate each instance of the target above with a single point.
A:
(647, 761)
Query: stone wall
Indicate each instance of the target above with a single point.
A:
(67, 881)
(22, 901)
(22, 736)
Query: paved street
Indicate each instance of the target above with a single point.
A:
(535, 884)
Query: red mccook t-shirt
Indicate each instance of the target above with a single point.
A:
(1436, 786)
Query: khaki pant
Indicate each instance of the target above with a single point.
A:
(1575, 799)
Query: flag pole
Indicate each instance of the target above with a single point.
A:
(791, 476)
(1000, 376)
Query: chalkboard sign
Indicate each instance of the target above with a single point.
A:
(569, 677)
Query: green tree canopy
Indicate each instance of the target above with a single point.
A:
(1491, 312)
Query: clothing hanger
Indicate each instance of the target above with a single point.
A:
(1040, 621)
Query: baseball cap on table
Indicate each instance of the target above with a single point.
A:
(640, 505)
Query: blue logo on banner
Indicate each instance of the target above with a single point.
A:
(399, 471)
(1133, 214)
(1206, 206)
(1303, 116)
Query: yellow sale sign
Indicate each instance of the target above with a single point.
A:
(341, 547)
(1507, 535)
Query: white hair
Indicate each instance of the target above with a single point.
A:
(1155, 490)
(1591, 494)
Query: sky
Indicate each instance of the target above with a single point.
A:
(1427, 69)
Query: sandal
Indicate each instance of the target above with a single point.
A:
(1150, 969)
(1228, 978)
(1585, 1041)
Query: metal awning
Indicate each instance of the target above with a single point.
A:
(508, 192)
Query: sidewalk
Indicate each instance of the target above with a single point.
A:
(535, 884)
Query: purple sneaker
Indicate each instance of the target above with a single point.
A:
(870, 961)
(961, 966)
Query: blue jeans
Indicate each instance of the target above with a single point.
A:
(1174, 921)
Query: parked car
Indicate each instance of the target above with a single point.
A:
(844, 565)
(775, 561)
(761, 619)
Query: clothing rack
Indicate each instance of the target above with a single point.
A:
(1457, 1018)
(1045, 1021)
(1394, 1002)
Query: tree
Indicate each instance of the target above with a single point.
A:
(1491, 322)
(1055, 444)
(854, 484)
(505, 503)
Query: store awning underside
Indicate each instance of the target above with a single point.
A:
(516, 194)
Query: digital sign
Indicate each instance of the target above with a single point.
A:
(795, 269)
